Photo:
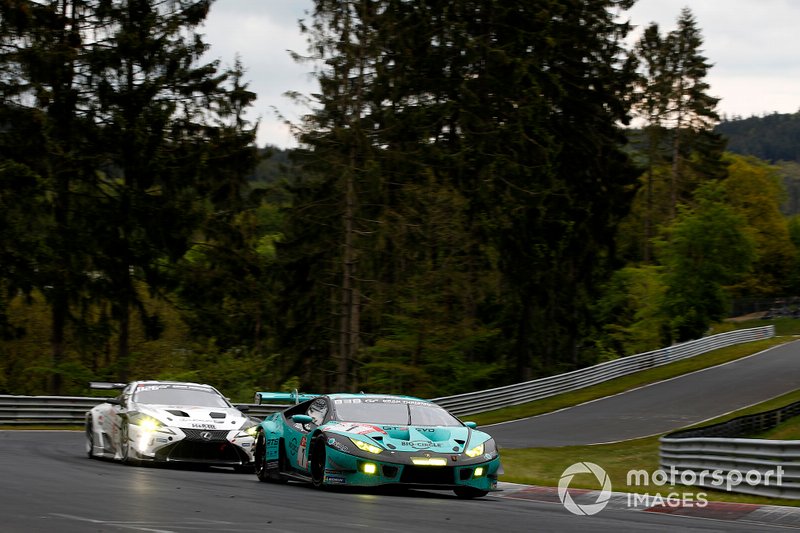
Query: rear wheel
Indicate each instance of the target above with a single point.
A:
(468, 493)
(318, 460)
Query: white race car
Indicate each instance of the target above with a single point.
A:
(167, 421)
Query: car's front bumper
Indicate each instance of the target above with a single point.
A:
(217, 447)
(346, 469)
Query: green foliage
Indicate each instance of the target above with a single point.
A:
(631, 312)
(706, 249)
(753, 189)
(463, 212)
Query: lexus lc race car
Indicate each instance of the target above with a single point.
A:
(167, 421)
(373, 440)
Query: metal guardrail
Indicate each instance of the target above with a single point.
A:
(66, 410)
(496, 398)
(71, 410)
(719, 448)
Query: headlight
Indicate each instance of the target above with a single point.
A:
(250, 428)
(475, 452)
(148, 423)
(365, 446)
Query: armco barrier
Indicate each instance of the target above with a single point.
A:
(70, 410)
(60, 410)
(488, 400)
(696, 453)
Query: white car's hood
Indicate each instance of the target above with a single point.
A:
(183, 416)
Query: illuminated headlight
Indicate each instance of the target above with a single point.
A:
(369, 468)
(249, 429)
(476, 451)
(365, 446)
(478, 471)
(149, 424)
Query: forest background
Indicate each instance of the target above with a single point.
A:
(503, 193)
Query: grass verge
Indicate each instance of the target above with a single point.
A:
(543, 466)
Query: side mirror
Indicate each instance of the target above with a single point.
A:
(302, 419)
(471, 425)
(242, 408)
(113, 401)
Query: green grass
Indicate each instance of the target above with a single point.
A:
(543, 466)
(788, 430)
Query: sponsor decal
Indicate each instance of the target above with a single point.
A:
(335, 480)
(358, 429)
(293, 446)
(203, 426)
(420, 444)
(333, 443)
(302, 460)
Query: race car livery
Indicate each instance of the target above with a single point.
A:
(375, 440)
(166, 421)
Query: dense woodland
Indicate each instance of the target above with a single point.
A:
(502, 190)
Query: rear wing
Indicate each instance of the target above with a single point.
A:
(106, 385)
(294, 396)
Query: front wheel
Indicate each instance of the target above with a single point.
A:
(260, 457)
(89, 439)
(468, 493)
(126, 450)
(318, 458)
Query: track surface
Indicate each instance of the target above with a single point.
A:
(48, 485)
(661, 407)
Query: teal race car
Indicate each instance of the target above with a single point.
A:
(371, 440)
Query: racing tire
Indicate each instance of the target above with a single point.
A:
(260, 457)
(260, 461)
(125, 447)
(318, 459)
(90, 440)
(468, 493)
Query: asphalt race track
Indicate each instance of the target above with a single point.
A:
(661, 407)
(47, 484)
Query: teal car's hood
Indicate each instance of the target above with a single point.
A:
(450, 439)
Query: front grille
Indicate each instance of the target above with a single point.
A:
(216, 452)
(206, 435)
(428, 475)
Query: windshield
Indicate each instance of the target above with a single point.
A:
(179, 394)
(392, 411)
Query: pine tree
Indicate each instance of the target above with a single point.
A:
(691, 109)
(173, 131)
